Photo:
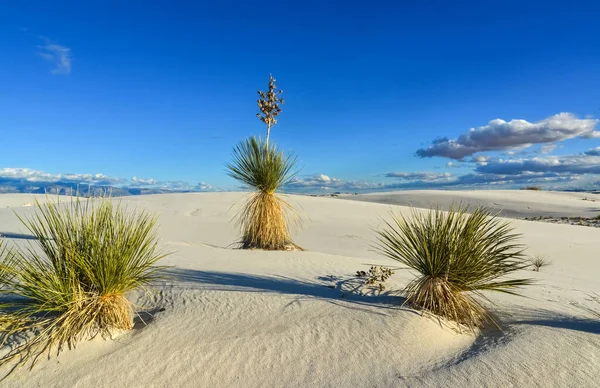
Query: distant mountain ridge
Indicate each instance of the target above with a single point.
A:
(84, 190)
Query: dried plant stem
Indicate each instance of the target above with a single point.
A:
(267, 139)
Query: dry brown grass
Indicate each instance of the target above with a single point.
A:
(263, 221)
(438, 296)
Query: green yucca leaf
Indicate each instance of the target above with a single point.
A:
(264, 169)
(454, 253)
(72, 282)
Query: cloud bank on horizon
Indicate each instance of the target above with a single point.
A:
(13, 177)
(510, 170)
(511, 166)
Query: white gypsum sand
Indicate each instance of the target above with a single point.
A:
(235, 318)
(509, 203)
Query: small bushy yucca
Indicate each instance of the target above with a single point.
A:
(72, 283)
(261, 166)
(457, 256)
(538, 262)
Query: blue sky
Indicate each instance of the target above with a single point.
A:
(161, 91)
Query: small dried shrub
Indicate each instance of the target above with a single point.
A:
(376, 276)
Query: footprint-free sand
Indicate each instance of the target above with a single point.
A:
(233, 318)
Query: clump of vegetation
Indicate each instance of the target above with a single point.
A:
(538, 262)
(6, 257)
(457, 256)
(534, 188)
(261, 166)
(376, 276)
(74, 284)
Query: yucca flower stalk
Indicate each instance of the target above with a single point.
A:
(74, 284)
(268, 104)
(457, 256)
(263, 219)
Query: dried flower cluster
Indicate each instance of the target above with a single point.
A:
(268, 104)
(376, 276)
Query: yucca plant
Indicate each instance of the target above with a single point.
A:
(538, 262)
(72, 283)
(5, 258)
(456, 256)
(264, 217)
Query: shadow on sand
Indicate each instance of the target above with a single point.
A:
(17, 236)
(549, 318)
(333, 289)
(336, 289)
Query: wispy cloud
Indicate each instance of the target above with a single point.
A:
(547, 148)
(501, 135)
(58, 55)
(419, 176)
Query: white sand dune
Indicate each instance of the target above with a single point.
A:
(237, 318)
(509, 203)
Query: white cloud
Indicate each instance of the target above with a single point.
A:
(325, 183)
(203, 186)
(408, 181)
(577, 164)
(480, 159)
(21, 176)
(502, 135)
(143, 182)
(547, 148)
(36, 176)
(58, 55)
(322, 182)
(419, 176)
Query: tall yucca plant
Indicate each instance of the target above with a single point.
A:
(263, 219)
(74, 284)
(457, 256)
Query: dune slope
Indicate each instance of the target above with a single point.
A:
(232, 318)
(509, 203)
